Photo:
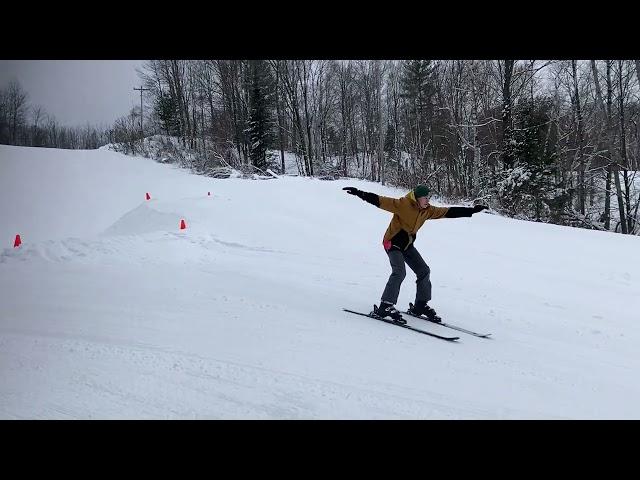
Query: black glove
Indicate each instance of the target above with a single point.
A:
(479, 208)
(369, 197)
(352, 191)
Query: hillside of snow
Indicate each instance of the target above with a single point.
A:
(109, 310)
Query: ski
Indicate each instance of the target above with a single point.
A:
(449, 339)
(454, 327)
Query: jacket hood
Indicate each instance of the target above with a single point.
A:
(411, 196)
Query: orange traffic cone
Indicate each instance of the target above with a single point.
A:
(17, 242)
(148, 196)
(182, 225)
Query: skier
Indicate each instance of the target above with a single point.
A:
(409, 214)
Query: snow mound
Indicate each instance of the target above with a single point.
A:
(144, 219)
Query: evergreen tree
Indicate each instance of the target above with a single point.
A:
(167, 111)
(260, 123)
(416, 82)
(529, 185)
(417, 87)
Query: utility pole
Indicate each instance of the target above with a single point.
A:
(141, 116)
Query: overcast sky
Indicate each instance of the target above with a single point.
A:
(77, 92)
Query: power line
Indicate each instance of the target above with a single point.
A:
(141, 115)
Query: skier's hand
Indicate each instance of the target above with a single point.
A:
(479, 208)
(352, 190)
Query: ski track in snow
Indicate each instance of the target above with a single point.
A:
(239, 390)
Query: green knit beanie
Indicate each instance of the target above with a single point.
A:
(421, 191)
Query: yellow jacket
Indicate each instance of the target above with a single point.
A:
(407, 219)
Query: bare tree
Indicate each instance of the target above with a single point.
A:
(505, 68)
(16, 101)
(610, 148)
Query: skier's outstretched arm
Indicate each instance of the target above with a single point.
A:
(457, 212)
(386, 203)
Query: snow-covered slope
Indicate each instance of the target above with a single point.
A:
(109, 310)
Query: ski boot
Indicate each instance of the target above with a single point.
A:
(422, 309)
(388, 310)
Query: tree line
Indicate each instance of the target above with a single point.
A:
(30, 125)
(547, 140)
(553, 141)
